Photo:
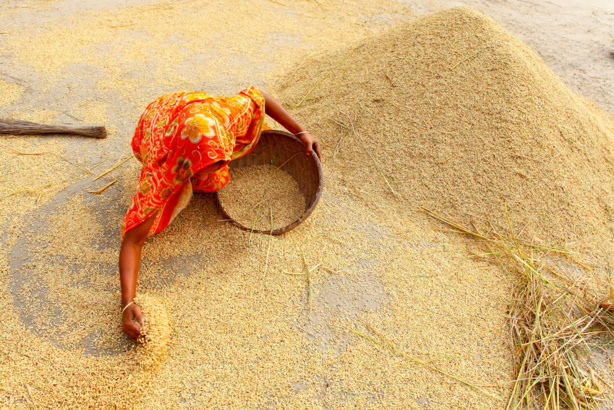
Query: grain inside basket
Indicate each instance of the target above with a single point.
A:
(255, 192)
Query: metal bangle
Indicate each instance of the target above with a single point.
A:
(126, 307)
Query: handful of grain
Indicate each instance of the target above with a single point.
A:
(155, 333)
(255, 195)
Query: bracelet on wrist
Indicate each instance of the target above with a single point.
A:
(126, 307)
(300, 133)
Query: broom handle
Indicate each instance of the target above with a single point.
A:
(17, 127)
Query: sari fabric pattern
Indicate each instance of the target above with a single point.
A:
(185, 141)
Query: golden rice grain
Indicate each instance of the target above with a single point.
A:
(254, 192)
(155, 333)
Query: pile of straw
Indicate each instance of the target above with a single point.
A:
(554, 315)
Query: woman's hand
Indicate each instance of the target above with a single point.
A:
(129, 259)
(312, 144)
(276, 111)
(130, 317)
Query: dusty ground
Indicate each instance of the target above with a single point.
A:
(51, 72)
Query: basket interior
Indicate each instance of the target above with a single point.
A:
(276, 148)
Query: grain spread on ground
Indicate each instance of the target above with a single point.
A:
(257, 195)
(327, 315)
(9, 92)
(155, 333)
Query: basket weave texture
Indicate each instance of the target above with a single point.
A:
(305, 169)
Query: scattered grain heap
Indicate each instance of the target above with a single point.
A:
(155, 333)
(263, 197)
(463, 117)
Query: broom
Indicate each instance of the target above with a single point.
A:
(17, 127)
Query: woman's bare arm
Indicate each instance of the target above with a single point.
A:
(129, 260)
(276, 111)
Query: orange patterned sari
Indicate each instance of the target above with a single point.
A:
(185, 141)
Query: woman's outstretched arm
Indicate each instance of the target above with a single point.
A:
(129, 260)
(276, 111)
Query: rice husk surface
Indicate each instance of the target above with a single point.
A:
(464, 118)
(262, 197)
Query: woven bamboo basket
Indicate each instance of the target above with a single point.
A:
(305, 169)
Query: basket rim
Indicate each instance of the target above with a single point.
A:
(314, 160)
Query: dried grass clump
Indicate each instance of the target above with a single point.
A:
(556, 313)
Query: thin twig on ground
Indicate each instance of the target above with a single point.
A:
(470, 57)
(325, 77)
(268, 249)
(103, 188)
(335, 152)
(386, 343)
(368, 152)
(117, 165)
(309, 290)
(249, 239)
(18, 152)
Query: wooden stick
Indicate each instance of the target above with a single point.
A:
(17, 127)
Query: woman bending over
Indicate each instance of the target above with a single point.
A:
(185, 141)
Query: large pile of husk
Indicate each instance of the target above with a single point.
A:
(454, 114)
(464, 118)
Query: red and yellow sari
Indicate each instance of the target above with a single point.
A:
(185, 141)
